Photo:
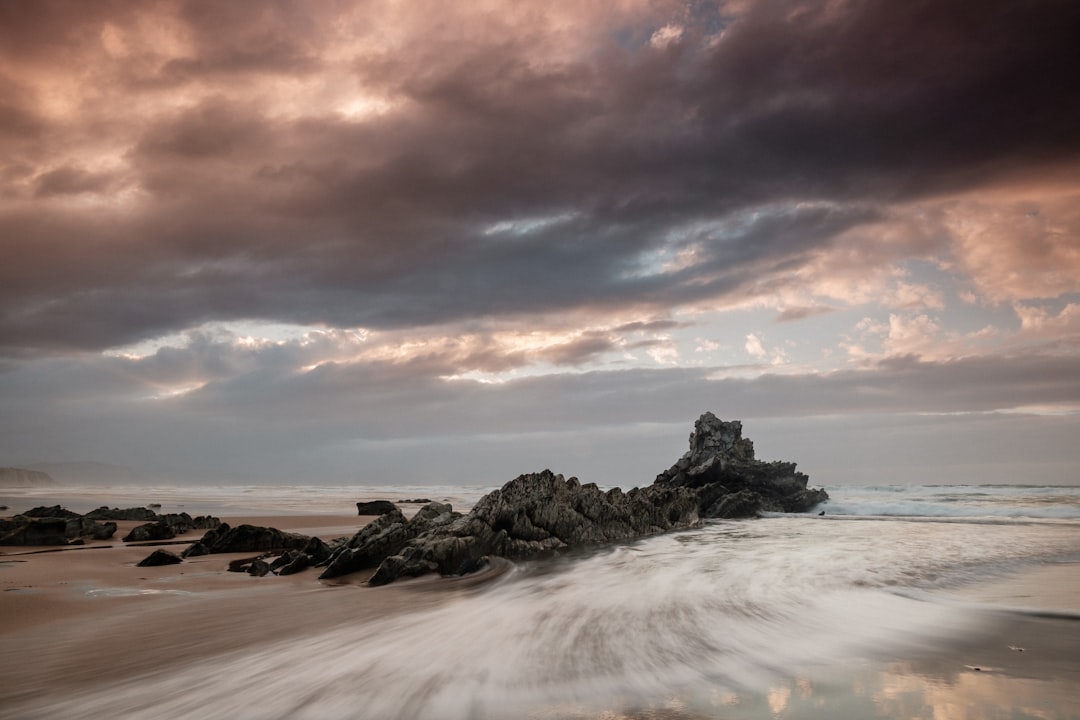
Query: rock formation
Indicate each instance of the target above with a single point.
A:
(136, 513)
(247, 538)
(542, 514)
(52, 526)
(730, 482)
(374, 507)
(168, 526)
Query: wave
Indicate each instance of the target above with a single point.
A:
(734, 605)
(956, 501)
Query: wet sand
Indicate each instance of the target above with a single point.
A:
(86, 622)
(81, 616)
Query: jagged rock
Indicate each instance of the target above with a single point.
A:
(160, 557)
(34, 531)
(54, 511)
(136, 513)
(537, 515)
(375, 507)
(299, 561)
(251, 538)
(52, 526)
(721, 462)
(384, 536)
(542, 514)
(169, 526)
(742, 504)
(195, 550)
(316, 551)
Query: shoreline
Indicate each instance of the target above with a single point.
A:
(84, 624)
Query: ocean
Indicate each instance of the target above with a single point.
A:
(898, 602)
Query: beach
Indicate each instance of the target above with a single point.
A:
(779, 617)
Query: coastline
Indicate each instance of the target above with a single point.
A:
(83, 631)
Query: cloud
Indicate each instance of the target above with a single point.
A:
(245, 176)
(543, 197)
(790, 314)
(73, 180)
(753, 346)
(1019, 248)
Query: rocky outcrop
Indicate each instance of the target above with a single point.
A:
(166, 527)
(542, 514)
(20, 478)
(730, 482)
(22, 530)
(140, 514)
(52, 526)
(383, 536)
(374, 507)
(53, 511)
(248, 538)
(533, 516)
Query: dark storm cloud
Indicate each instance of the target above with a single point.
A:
(246, 211)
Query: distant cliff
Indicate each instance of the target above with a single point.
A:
(19, 478)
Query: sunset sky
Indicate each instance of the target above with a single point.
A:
(403, 241)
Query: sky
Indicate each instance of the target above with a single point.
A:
(426, 242)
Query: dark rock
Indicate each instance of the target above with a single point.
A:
(242, 564)
(195, 550)
(317, 551)
(86, 527)
(382, 537)
(158, 530)
(52, 526)
(103, 531)
(205, 522)
(417, 501)
(160, 557)
(35, 531)
(55, 511)
(375, 507)
(533, 516)
(299, 563)
(169, 526)
(721, 462)
(741, 504)
(258, 568)
(542, 514)
(284, 559)
(538, 515)
(251, 538)
(138, 513)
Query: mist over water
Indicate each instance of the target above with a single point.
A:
(733, 607)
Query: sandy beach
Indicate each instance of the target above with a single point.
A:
(85, 615)
(84, 631)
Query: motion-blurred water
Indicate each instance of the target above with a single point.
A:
(691, 618)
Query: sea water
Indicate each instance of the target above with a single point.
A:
(736, 619)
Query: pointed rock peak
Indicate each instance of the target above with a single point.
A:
(713, 436)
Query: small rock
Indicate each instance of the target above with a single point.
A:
(375, 507)
(160, 557)
(258, 568)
